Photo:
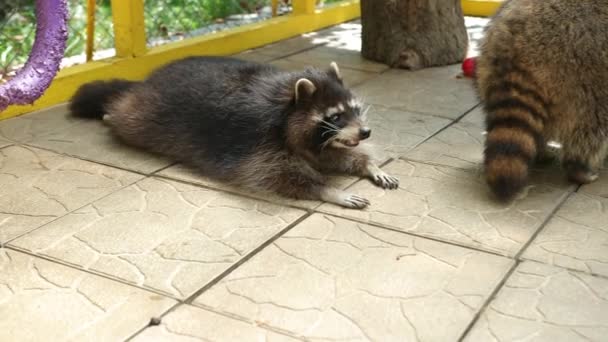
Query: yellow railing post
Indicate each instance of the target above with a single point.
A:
(91, 6)
(129, 27)
(304, 6)
(275, 6)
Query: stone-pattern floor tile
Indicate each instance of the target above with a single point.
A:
(343, 55)
(189, 323)
(395, 132)
(92, 140)
(26, 127)
(345, 35)
(460, 145)
(289, 46)
(38, 186)
(545, 303)
(351, 77)
(159, 234)
(577, 236)
(4, 142)
(44, 301)
(455, 205)
(434, 91)
(599, 187)
(331, 279)
(183, 173)
(254, 56)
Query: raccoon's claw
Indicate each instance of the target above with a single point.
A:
(386, 181)
(355, 202)
(344, 199)
(381, 178)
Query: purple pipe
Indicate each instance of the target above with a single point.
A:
(44, 60)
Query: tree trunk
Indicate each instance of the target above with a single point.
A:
(413, 34)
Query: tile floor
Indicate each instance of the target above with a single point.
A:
(102, 242)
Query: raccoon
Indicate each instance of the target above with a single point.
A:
(246, 124)
(542, 75)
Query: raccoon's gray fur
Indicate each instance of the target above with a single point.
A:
(543, 75)
(243, 123)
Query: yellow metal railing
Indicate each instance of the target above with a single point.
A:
(480, 8)
(91, 6)
(134, 60)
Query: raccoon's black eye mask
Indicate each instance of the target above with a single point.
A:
(326, 130)
(336, 119)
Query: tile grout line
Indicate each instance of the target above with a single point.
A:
(569, 269)
(89, 272)
(154, 174)
(248, 321)
(7, 242)
(122, 168)
(518, 261)
(541, 228)
(190, 299)
(452, 123)
(227, 315)
(246, 258)
(430, 163)
(276, 58)
(487, 302)
(179, 302)
(229, 192)
(173, 163)
(425, 237)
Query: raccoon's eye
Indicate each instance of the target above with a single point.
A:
(335, 117)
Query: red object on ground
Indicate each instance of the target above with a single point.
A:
(468, 67)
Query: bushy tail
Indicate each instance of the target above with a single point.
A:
(91, 99)
(516, 113)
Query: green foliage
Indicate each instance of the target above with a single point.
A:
(162, 18)
(179, 16)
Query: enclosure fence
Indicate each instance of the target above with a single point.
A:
(129, 38)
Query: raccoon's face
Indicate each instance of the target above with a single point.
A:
(330, 115)
(343, 125)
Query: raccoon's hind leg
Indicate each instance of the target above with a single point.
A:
(583, 156)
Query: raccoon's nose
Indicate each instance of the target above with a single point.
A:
(365, 132)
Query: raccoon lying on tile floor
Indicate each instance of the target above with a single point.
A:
(243, 123)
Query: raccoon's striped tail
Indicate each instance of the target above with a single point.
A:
(515, 120)
(91, 99)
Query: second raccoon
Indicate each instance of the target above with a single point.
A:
(244, 123)
(543, 75)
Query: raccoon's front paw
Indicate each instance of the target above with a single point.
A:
(354, 202)
(381, 178)
(344, 199)
(385, 181)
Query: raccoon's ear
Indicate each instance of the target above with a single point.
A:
(334, 70)
(304, 88)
